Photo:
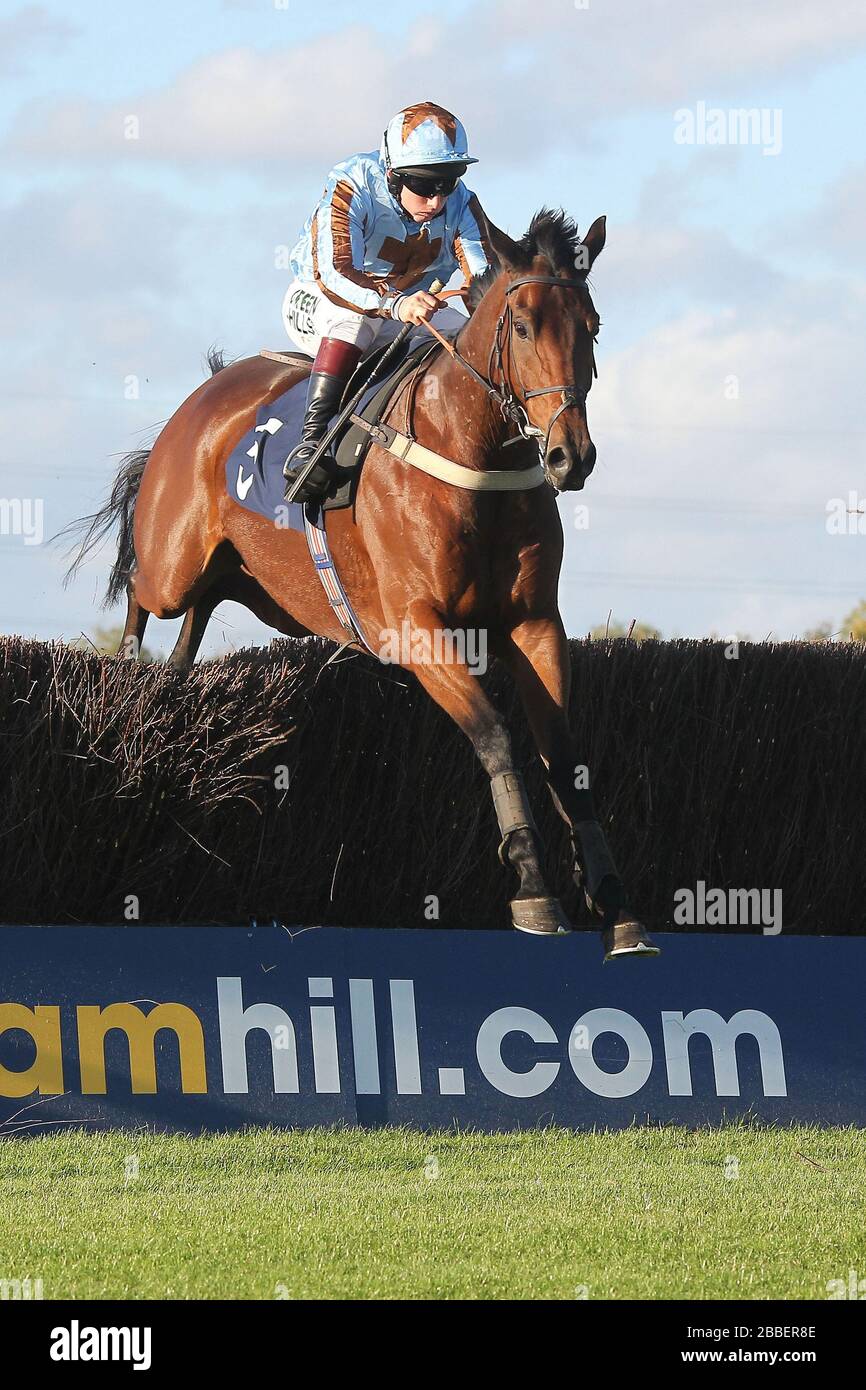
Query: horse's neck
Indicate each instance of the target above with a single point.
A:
(479, 334)
(460, 410)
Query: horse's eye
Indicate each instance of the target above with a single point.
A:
(520, 328)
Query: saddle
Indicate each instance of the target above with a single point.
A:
(350, 447)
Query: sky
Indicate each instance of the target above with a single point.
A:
(155, 161)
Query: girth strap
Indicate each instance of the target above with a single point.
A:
(320, 552)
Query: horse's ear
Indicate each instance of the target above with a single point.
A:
(506, 251)
(592, 245)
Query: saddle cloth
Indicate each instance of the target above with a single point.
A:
(254, 468)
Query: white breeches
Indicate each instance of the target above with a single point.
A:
(309, 316)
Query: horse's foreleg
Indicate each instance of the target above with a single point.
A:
(537, 655)
(458, 692)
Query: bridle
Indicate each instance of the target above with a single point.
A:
(497, 383)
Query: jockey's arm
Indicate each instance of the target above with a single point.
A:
(471, 246)
(418, 307)
(338, 235)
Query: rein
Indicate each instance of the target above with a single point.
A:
(512, 407)
(406, 448)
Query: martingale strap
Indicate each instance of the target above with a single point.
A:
(408, 450)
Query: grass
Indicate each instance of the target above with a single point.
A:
(743, 1212)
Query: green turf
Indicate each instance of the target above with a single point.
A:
(650, 1213)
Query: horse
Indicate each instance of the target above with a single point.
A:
(415, 549)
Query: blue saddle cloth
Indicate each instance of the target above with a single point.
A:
(254, 468)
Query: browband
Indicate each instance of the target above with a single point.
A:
(545, 280)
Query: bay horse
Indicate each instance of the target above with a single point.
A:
(415, 548)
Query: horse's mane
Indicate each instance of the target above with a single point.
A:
(552, 233)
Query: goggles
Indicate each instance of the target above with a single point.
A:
(428, 187)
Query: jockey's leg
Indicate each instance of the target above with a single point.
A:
(336, 338)
(333, 365)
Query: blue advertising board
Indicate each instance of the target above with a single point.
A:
(213, 1028)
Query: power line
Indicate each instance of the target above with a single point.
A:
(608, 428)
(120, 401)
(717, 506)
(669, 427)
(21, 549)
(802, 587)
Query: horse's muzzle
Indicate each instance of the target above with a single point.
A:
(567, 468)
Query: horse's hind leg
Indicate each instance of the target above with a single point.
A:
(192, 631)
(133, 629)
(458, 691)
(538, 658)
(239, 587)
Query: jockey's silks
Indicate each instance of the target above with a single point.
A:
(358, 244)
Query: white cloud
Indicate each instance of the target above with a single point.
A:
(310, 102)
(709, 503)
(232, 107)
(835, 228)
(664, 260)
(766, 401)
(26, 34)
(99, 237)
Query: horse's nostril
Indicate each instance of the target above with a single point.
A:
(557, 458)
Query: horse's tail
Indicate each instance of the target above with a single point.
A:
(118, 511)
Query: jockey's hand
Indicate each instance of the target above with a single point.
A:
(419, 307)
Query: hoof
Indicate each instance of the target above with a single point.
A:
(540, 916)
(627, 937)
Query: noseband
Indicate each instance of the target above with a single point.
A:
(512, 407)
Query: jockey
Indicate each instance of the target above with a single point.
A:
(387, 225)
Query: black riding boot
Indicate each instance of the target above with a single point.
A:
(334, 364)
